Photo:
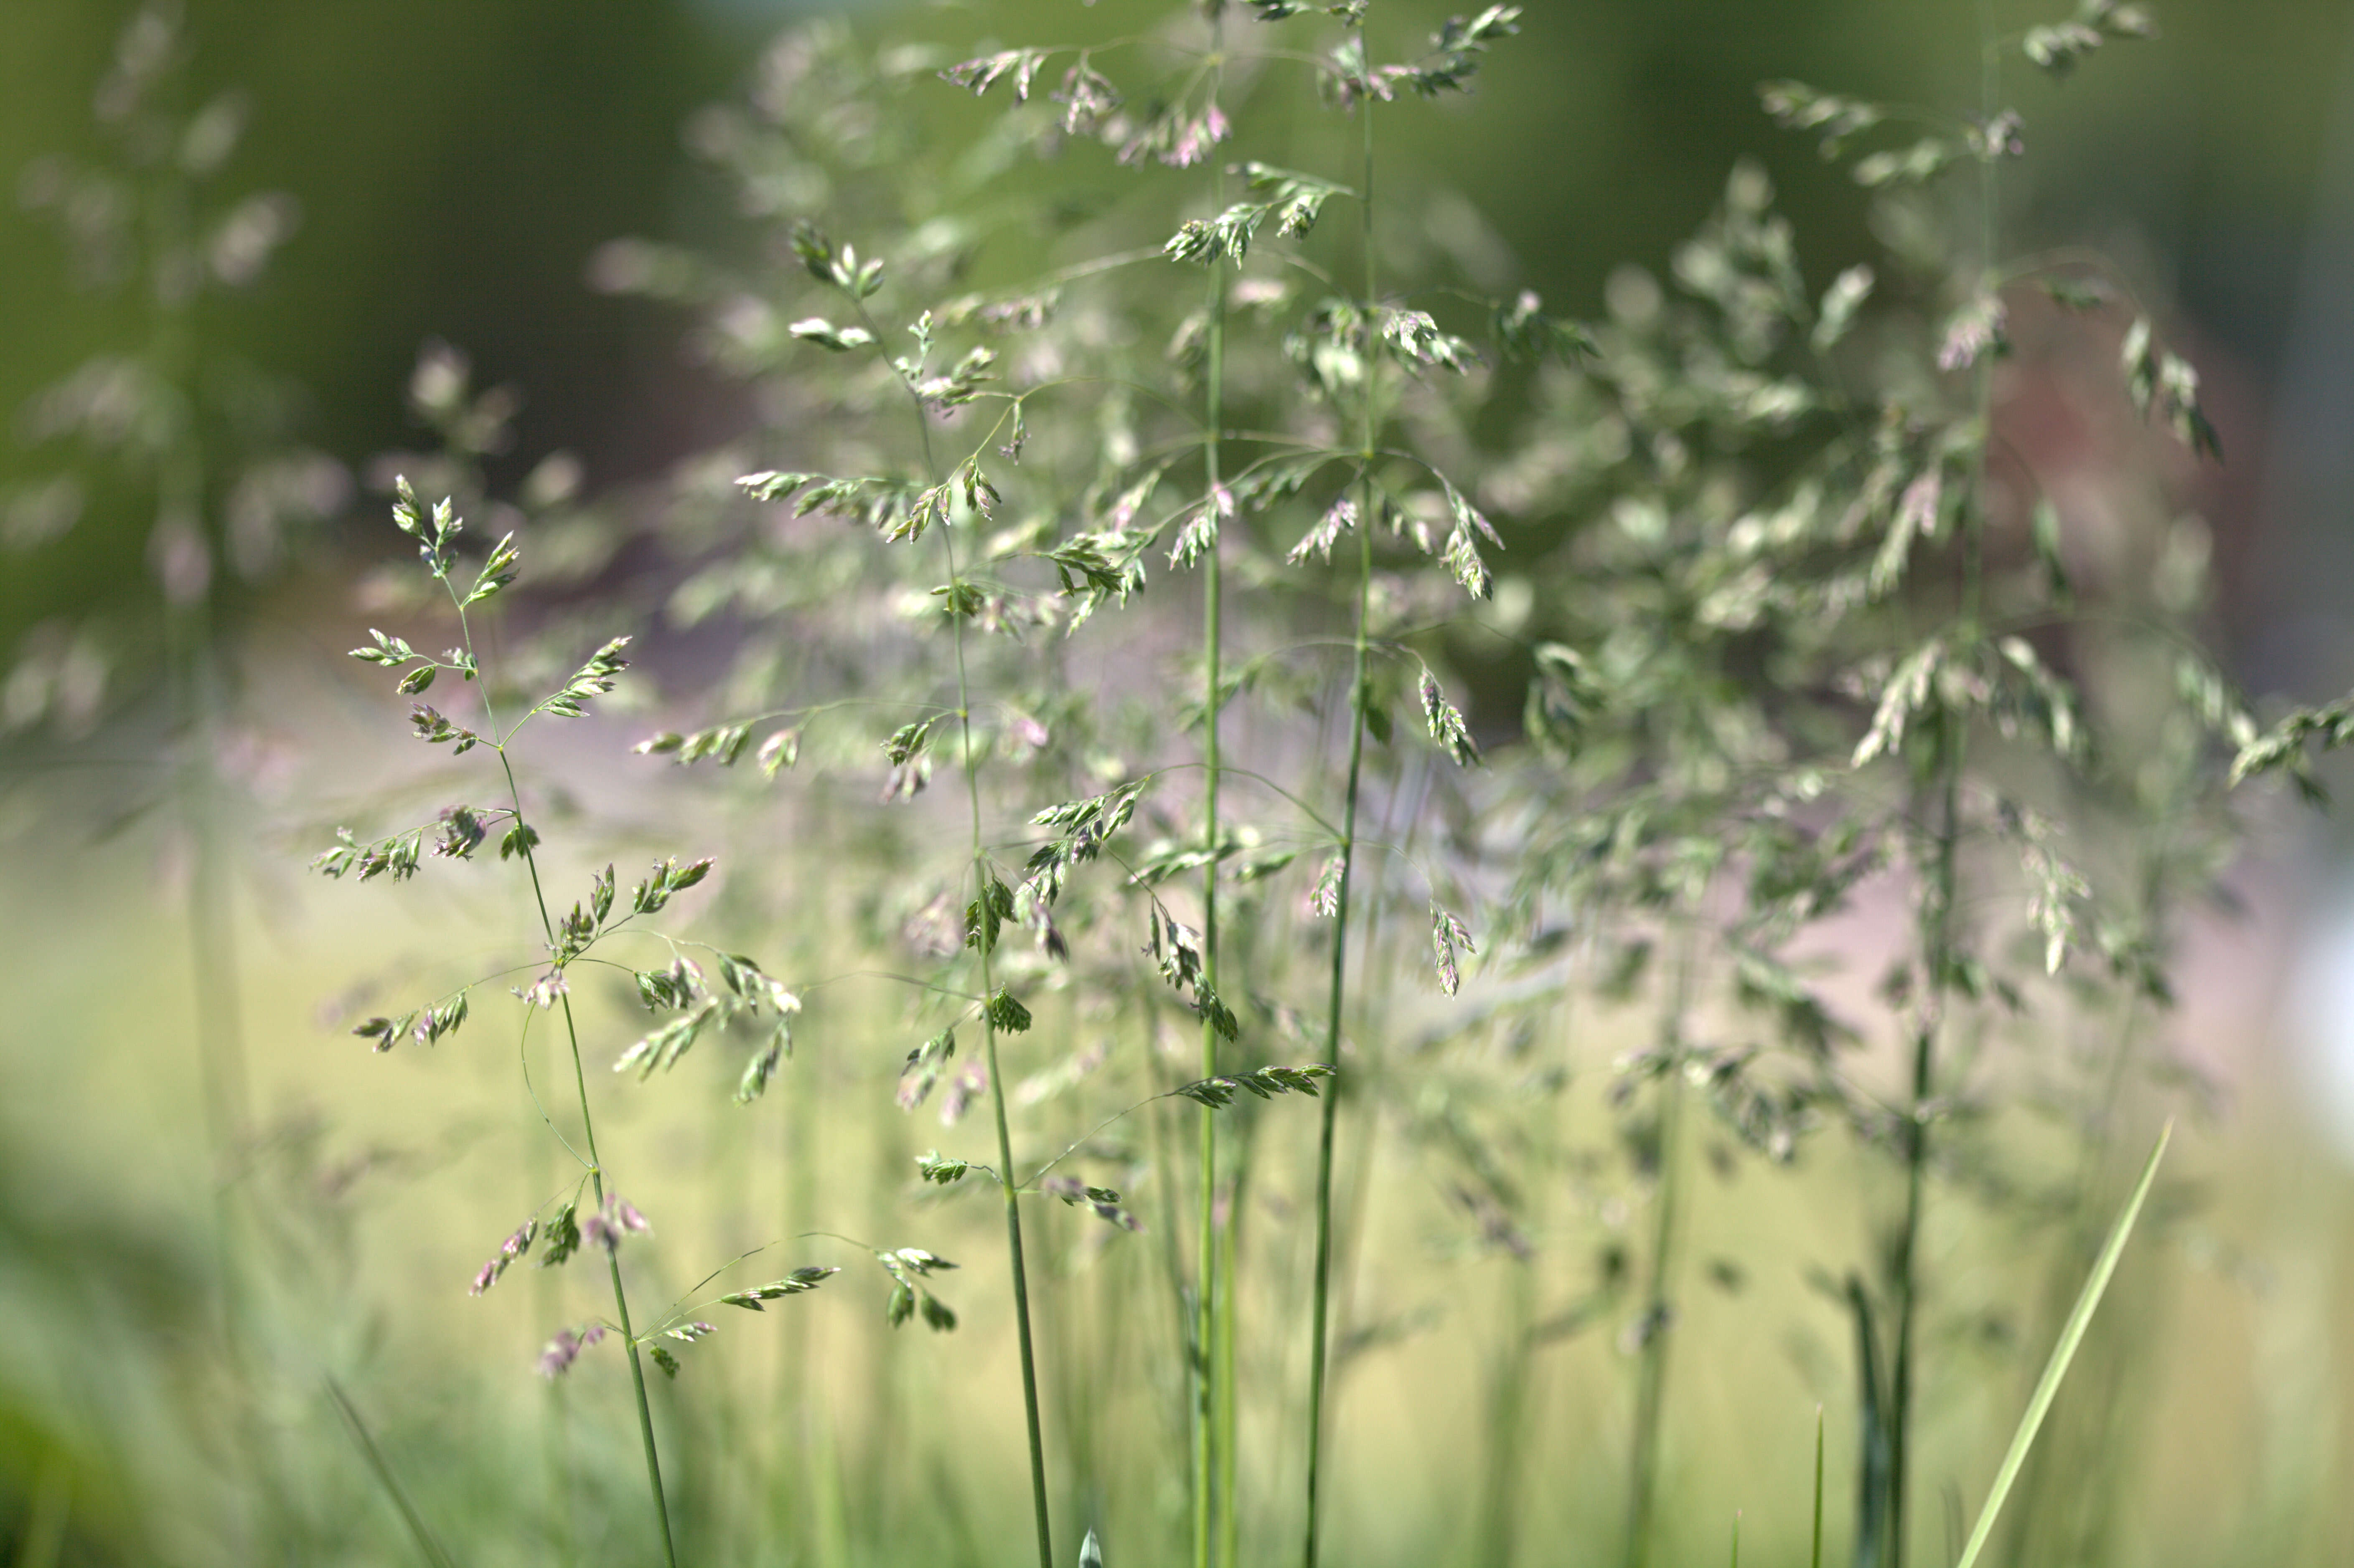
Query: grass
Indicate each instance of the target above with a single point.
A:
(1791, 631)
(430, 1359)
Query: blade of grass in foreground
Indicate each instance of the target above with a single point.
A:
(2071, 1336)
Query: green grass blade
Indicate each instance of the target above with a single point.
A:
(428, 1548)
(1817, 1558)
(1871, 1457)
(2071, 1337)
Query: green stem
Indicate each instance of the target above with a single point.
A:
(1352, 1193)
(1507, 1390)
(982, 880)
(1651, 1386)
(1206, 1295)
(1229, 1466)
(621, 1297)
(1939, 917)
(220, 1027)
(554, 1430)
(1173, 1262)
(1359, 699)
(799, 1164)
(192, 681)
(1658, 1308)
(1213, 1308)
(1815, 1558)
(1938, 953)
(588, 1120)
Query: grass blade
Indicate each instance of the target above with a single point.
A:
(430, 1549)
(1816, 1560)
(2071, 1336)
(1872, 1461)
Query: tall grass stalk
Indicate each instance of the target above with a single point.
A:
(211, 916)
(1207, 1418)
(1354, 1188)
(1938, 926)
(982, 880)
(1172, 1263)
(800, 1482)
(497, 741)
(1655, 1323)
(555, 1417)
(1359, 700)
(997, 1089)
(1229, 1406)
(1497, 1534)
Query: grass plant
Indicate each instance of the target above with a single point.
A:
(1734, 617)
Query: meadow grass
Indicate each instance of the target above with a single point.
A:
(1770, 624)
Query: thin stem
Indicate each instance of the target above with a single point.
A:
(1658, 1308)
(1353, 1200)
(1206, 1261)
(1359, 700)
(982, 881)
(1508, 1389)
(1229, 1466)
(427, 1547)
(220, 1027)
(556, 1438)
(587, 1119)
(1938, 918)
(1815, 1558)
(797, 1165)
(1172, 1261)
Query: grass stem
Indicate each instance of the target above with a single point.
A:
(1657, 1320)
(1360, 699)
(1937, 947)
(1207, 1297)
(981, 884)
(581, 1084)
(1815, 1558)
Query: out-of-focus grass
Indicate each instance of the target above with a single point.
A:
(141, 1391)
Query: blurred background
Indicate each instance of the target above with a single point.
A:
(452, 167)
